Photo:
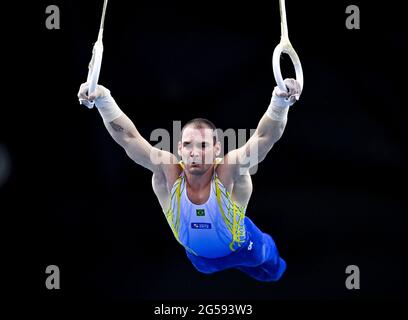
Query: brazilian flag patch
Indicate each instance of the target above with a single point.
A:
(200, 212)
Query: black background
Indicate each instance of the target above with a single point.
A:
(331, 192)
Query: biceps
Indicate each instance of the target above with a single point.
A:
(249, 154)
(144, 154)
(249, 151)
(141, 152)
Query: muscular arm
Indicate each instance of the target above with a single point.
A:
(257, 147)
(269, 130)
(124, 132)
(261, 142)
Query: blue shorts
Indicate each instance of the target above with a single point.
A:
(258, 257)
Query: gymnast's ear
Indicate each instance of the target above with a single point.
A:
(179, 148)
(217, 148)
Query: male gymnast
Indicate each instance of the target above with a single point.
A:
(204, 197)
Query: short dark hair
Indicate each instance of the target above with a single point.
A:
(200, 123)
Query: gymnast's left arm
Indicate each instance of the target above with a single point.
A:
(270, 128)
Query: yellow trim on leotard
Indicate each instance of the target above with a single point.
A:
(237, 231)
(175, 227)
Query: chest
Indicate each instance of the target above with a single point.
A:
(199, 196)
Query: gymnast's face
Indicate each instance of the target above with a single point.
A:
(197, 149)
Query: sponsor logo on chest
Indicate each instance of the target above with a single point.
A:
(200, 225)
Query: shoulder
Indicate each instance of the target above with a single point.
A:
(163, 182)
(170, 173)
(225, 172)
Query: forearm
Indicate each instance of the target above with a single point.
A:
(272, 124)
(120, 127)
(266, 135)
(269, 131)
(124, 132)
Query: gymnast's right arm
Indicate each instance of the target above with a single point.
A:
(124, 132)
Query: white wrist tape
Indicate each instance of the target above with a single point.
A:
(277, 113)
(279, 107)
(108, 108)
